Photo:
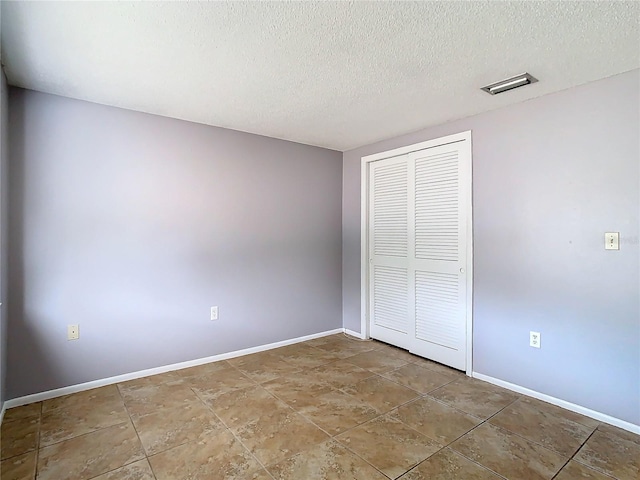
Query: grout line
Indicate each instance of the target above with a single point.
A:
(40, 418)
(337, 390)
(234, 435)
(330, 437)
(538, 443)
(459, 454)
(83, 434)
(484, 467)
(462, 412)
(364, 459)
(121, 466)
(606, 474)
(486, 420)
(584, 464)
(144, 450)
(574, 454)
(422, 394)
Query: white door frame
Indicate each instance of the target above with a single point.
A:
(364, 234)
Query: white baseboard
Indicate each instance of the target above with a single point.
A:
(2, 410)
(631, 427)
(59, 392)
(354, 334)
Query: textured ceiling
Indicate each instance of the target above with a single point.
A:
(333, 74)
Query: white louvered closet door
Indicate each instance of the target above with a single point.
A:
(389, 251)
(439, 216)
(418, 213)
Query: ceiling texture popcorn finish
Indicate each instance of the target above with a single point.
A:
(332, 74)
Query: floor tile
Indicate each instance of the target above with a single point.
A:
(376, 361)
(214, 384)
(78, 418)
(90, 455)
(338, 337)
(293, 350)
(330, 408)
(389, 445)
(576, 471)
(220, 456)
(148, 399)
(508, 454)
(418, 378)
(543, 425)
(260, 475)
(448, 465)
(308, 358)
(618, 432)
(340, 374)
(561, 412)
(239, 407)
(347, 348)
(203, 370)
(395, 352)
(474, 397)
(159, 379)
(336, 412)
(267, 368)
(19, 436)
(327, 461)
(440, 368)
(297, 389)
(252, 358)
(19, 413)
(380, 393)
(21, 467)
(139, 470)
(611, 454)
(279, 434)
(109, 394)
(435, 420)
(171, 427)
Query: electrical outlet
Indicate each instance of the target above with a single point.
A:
(73, 332)
(534, 339)
(214, 313)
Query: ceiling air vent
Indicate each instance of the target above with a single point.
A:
(509, 84)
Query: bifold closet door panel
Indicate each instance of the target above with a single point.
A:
(438, 266)
(389, 251)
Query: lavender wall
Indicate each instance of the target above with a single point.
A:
(133, 225)
(550, 176)
(4, 162)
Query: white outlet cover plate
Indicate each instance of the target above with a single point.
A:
(534, 339)
(214, 313)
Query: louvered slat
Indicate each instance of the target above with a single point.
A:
(437, 304)
(390, 210)
(390, 297)
(436, 207)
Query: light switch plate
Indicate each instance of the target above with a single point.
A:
(611, 241)
(214, 313)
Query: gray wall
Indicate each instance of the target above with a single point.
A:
(4, 159)
(133, 225)
(550, 176)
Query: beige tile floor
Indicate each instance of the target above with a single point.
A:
(330, 408)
